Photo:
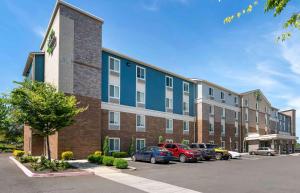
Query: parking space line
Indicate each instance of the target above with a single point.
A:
(140, 183)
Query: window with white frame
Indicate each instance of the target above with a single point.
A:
(185, 107)
(114, 144)
(140, 97)
(211, 92)
(222, 95)
(169, 82)
(140, 144)
(186, 87)
(256, 105)
(223, 144)
(211, 109)
(235, 100)
(247, 127)
(246, 102)
(236, 130)
(169, 103)
(114, 118)
(169, 125)
(236, 114)
(223, 112)
(140, 72)
(140, 121)
(211, 128)
(114, 91)
(256, 117)
(246, 116)
(114, 64)
(222, 129)
(186, 127)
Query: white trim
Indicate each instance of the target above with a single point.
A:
(147, 112)
(270, 137)
(109, 138)
(166, 82)
(218, 104)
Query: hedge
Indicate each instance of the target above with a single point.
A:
(108, 160)
(120, 163)
(121, 154)
(97, 159)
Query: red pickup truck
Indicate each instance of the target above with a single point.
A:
(182, 152)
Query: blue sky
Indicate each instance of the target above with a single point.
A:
(184, 36)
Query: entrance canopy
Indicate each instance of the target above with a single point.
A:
(270, 137)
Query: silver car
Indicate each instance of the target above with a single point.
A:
(263, 151)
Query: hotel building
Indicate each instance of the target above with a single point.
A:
(132, 100)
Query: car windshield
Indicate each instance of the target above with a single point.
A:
(184, 147)
(211, 146)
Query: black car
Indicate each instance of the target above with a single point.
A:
(207, 150)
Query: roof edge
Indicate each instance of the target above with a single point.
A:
(61, 2)
(146, 64)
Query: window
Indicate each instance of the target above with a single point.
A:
(211, 92)
(236, 146)
(140, 72)
(211, 142)
(246, 116)
(247, 127)
(235, 100)
(236, 115)
(169, 125)
(246, 102)
(186, 87)
(256, 117)
(222, 95)
(211, 109)
(211, 128)
(236, 131)
(223, 144)
(169, 103)
(140, 144)
(169, 140)
(185, 107)
(114, 144)
(256, 106)
(222, 129)
(114, 118)
(169, 82)
(114, 64)
(186, 126)
(223, 112)
(140, 97)
(140, 121)
(114, 91)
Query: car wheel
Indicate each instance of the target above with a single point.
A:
(230, 157)
(269, 154)
(218, 156)
(166, 162)
(207, 159)
(133, 158)
(252, 153)
(153, 160)
(182, 158)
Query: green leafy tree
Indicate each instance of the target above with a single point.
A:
(131, 149)
(160, 139)
(43, 108)
(4, 110)
(277, 7)
(106, 146)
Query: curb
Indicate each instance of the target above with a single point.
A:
(56, 174)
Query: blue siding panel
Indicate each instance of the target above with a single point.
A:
(192, 98)
(39, 67)
(155, 90)
(104, 90)
(177, 95)
(128, 83)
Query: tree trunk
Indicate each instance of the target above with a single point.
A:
(48, 147)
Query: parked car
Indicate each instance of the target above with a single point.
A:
(206, 151)
(234, 155)
(153, 154)
(263, 151)
(220, 153)
(182, 152)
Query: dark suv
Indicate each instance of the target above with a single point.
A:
(207, 150)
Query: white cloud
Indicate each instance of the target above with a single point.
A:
(291, 53)
(155, 5)
(39, 31)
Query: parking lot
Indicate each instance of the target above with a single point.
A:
(249, 174)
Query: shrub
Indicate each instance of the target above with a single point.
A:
(121, 163)
(108, 161)
(28, 159)
(54, 165)
(18, 153)
(131, 149)
(121, 154)
(98, 153)
(67, 155)
(106, 146)
(97, 159)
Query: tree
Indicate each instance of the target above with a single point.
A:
(275, 6)
(131, 149)
(43, 108)
(4, 110)
(160, 139)
(106, 146)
